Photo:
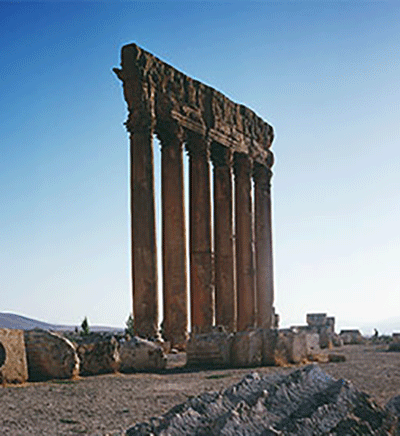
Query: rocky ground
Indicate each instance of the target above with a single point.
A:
(109, 404)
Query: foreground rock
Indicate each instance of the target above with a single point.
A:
(50, 355)
(305, 402)
(138, 354)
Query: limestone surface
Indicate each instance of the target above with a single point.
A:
(304, 402)
(13, 366)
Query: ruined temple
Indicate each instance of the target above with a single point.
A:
(230, 253)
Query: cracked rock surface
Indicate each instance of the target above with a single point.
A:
(306, 401)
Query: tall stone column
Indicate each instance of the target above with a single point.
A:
(246, 316)
(144, 247)
(263, 245)
(174, 239)
(225, 280)
(201, 276)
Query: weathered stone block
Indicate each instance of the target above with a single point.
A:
(50, 355)
(316, 319)
(138, 354)
(98, 354)
(212, 348)
(13, 366)
(312, 344)
(291, 347)
(247, 348)
(351, 336)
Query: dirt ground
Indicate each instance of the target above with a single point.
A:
(109, 404)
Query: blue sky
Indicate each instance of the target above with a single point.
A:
(324, 74)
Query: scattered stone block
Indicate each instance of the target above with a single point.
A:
(139, 354)
(50, 355)
(312, 344)
(336, 358)
(393, 407)
(291, 347)
(13, 365)
(316, 319)
(247, 348)
(394, 346)
(98, 353)
(351, 337)
(396, 337)
(209, 349)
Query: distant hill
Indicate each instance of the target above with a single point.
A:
(13, 321)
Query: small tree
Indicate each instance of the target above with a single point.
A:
(130, 326)
(85, 329)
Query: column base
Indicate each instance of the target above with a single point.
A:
(209, 349)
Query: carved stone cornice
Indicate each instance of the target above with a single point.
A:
(156, 90)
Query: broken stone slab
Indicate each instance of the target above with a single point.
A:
(394, 346)
(98, 353)
(50, 355)
(139, 354)
(13, 365)
(393, 407)
(247, 348)
(304, 402)
(209, 349)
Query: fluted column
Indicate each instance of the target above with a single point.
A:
(263, 245)
(144, 246)
(225, 280)
(201, 277)
(246, 317)
(174, 239)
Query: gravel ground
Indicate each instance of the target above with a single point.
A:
(109, 404)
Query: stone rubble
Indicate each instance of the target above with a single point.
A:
(304, 402)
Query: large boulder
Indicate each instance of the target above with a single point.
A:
(98, 353)
(137, 354)
(304, 402)
(50, 355)
(13, 366)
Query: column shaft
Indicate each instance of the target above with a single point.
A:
(201, 277)
(144, 247)
(263, 246)
(225, 283)
(174, 243)
(246, 316)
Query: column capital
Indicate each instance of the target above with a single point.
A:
(170, 133)
(262, 175)
(242, 164)
(221, 156)
(197, 145)
(142, 124)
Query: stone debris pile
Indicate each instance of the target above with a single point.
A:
(304, 402)
(40, 355)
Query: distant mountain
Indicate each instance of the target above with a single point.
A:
(13, 321)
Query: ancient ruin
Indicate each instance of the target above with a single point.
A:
(230, 253)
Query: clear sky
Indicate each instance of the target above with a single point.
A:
(325, 74)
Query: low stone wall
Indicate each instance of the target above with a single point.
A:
(13, 365)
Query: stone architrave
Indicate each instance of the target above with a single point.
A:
(175, 322)
(13, 365)
(201, 271)
(225, 280)
(246, 304)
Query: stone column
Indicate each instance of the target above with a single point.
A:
(246, 316)
(174, 239)
(263, 245)
(144, 247)
(201, 277)
(225, 280)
